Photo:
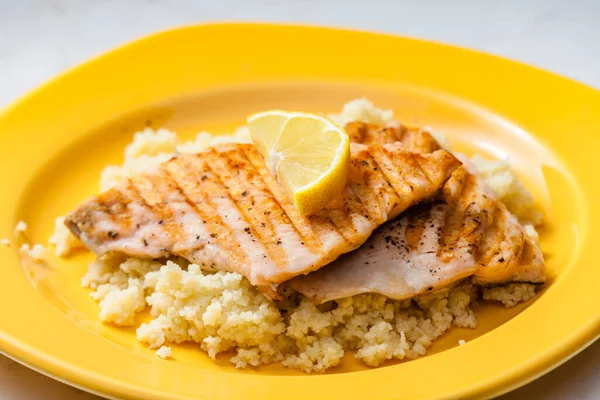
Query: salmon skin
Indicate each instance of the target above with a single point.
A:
(223, 210)
(466, 232)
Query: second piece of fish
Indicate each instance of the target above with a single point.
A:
(468, 231)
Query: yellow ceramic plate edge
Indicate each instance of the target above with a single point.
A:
(579, 338)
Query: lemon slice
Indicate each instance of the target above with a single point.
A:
(309, 154)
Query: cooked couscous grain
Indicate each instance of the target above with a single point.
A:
(164, 352)
(36, 252)
(21, 227)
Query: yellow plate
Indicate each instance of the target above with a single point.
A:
(56, 141)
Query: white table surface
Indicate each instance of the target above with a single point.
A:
(39, 39)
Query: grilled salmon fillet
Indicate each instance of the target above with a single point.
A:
(467, 231)
(223, 210)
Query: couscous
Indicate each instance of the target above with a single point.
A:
(222, 312)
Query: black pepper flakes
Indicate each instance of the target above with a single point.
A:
(160, 222)
(278, 242)
(213, 235)
(112, 234)
(244, 193)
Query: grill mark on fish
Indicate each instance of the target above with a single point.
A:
(157, 206)
(350, 221)
(501, 257)
(369, 134)
(403, 189)
(455, 216)
(235, 176)
(298, 221)
(367, 197)
(531, 264)
(414, 164)
(187, 173)
(384, 192)
(136, 213)
(413, 139)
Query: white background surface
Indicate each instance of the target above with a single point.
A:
(41, 38)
